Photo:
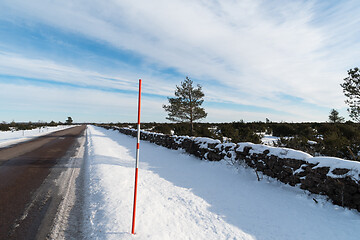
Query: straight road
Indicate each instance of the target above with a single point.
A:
(29, 195)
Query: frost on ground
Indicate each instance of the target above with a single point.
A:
(182, 197)
(8, 138)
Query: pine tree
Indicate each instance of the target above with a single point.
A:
(351, 89)
(334, 117)
(185, 106)
(69, 121)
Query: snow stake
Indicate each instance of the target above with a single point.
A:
(137, 159)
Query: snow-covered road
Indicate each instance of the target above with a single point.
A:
(182, 197)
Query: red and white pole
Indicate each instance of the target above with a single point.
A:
(137, 159)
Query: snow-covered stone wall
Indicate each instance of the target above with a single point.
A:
(339, 179)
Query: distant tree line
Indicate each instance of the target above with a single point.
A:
(318, 139)
(15, 126)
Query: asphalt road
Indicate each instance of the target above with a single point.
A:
(29, 197)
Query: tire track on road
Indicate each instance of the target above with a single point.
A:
(29, 196)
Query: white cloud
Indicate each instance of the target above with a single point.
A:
(256, 49)
(43, 69)
(219, 115)
(43, 103)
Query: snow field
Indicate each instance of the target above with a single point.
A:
(182, 197)
(8, 138)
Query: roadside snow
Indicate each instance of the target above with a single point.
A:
(8, 138)
(68, 220)
(182, 197)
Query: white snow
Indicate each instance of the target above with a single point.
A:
(224, 145)
(269, 139)
(8, 138)
(312, 142)
(276, 151)
(331, 162)
(182, 197)
(204, 141)
(334, 163)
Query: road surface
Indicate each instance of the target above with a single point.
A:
(30, 190)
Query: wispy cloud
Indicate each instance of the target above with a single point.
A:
(246, 52)
(28, 102)
(50, 71)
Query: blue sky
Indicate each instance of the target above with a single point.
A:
(282, 60)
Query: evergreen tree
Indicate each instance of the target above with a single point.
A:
(334, 117)
(351, 89)
(69, 121)
(185, 106)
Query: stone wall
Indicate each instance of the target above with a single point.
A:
(336, 178)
